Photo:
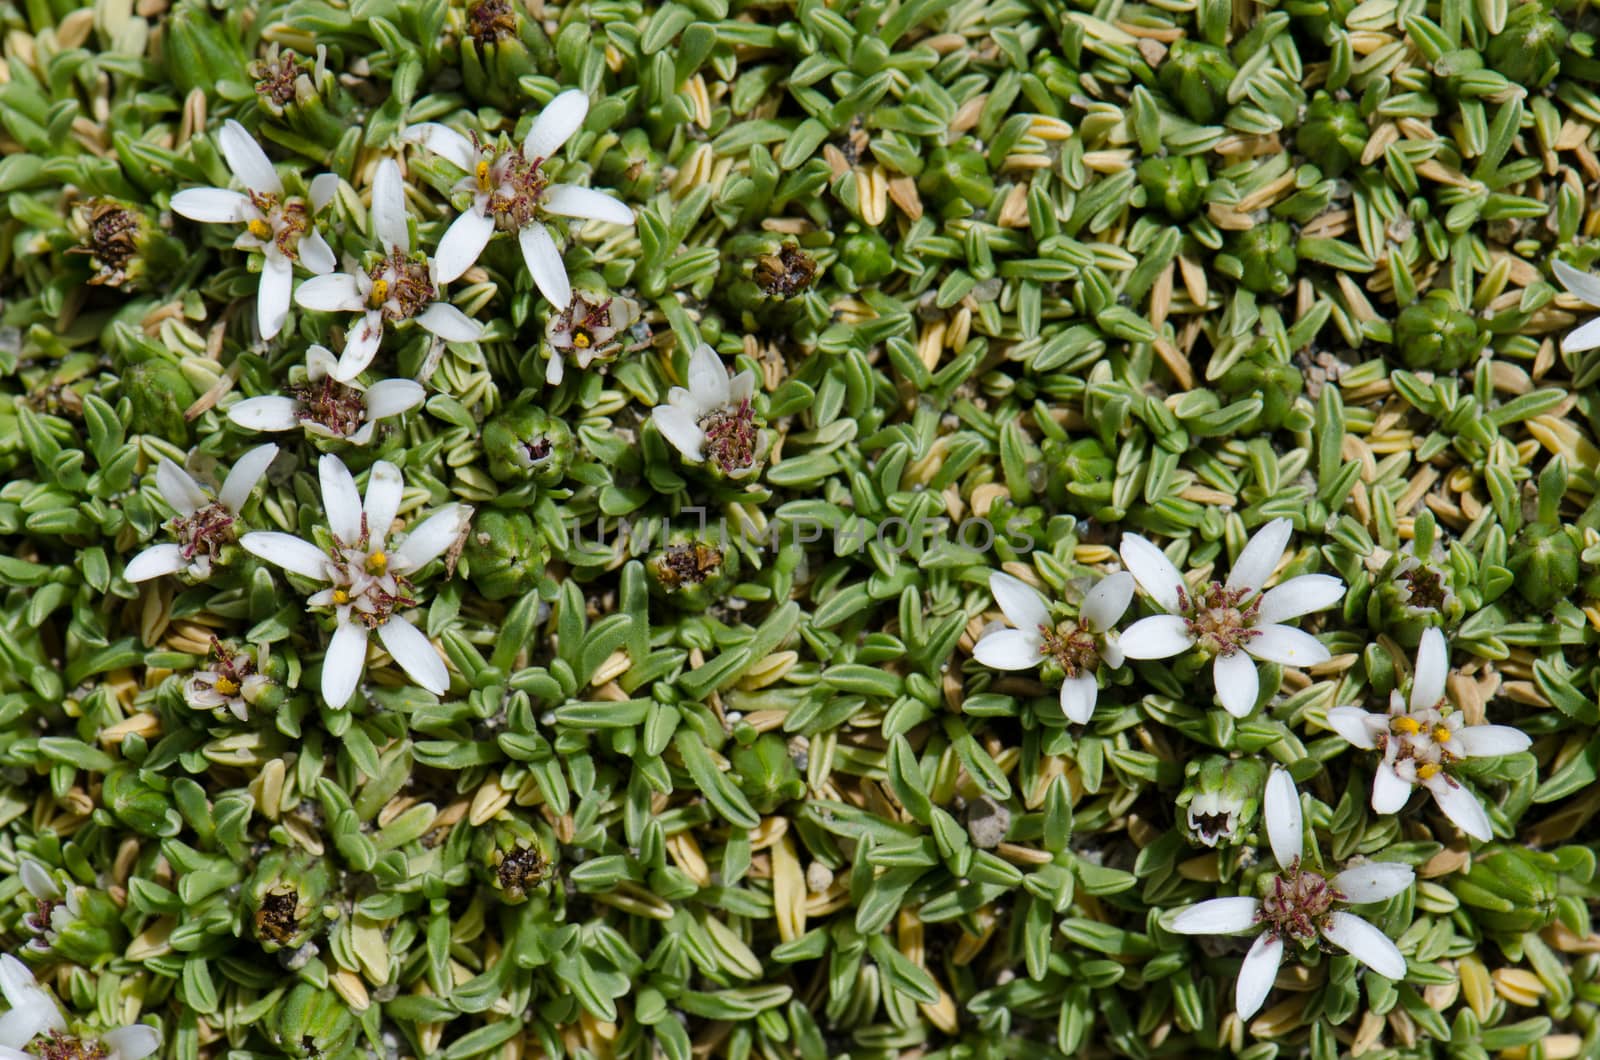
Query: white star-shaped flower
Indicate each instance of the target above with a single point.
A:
(29, 1012)
(204, 523)
(230, 681)
(1586, 289)
(1233, 620)
(327, 408)
(398, 287)
(1299, 905)
(712, 420)
(282, 228)
(368, 583)
(1078, 647)
(511, 193)
(1422, 739)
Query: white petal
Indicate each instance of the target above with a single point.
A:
(269, 413)
(16, 981)
(1433, 666)
(288, 552)
(211, 205)
(555, 125)
(708, 379)
(1389, 790)
(545, 264)
(1008, 649)
(360, 346)
(1217, 916)
(1299, 596)
(449, 323)
(320, 362)
(336, 292)
(315, 254)
(1078, 695)
(1111, 650)
(679, 429)
(247, 471)
(1156, 637)
(444, 142)
(341, 667)
(1355, 725)
(179, 489)
(134, 1042)
(416, 656)
(1489, 741)
(6, 1052)
(248, 162)
(389, 207)
(324, 186)
(433, 535)
(1256, 975)
(272, 297)
(1366, 944)
(1461, 806)
(1286, 645)
(1238, 684)
(569, 200)
(384, 487)
(1153, 570)
(1373, 881)
(390, 397)
(37, 880)
(741, 387)
(1586, 337)
(341, 500)
(1105, 604)
(154, 562)
(1260, 556)
(1023, 606)
(1285, 824)
(462, 243)
(1578, 283)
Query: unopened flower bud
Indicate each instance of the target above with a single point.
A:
(1509, 889)
(310, 1022)
(1174, 185)
(1266, 257)
(505, 553)
(1436, 334)
(526, 444)
(1545, 561)
(1221, 798)
(1332, 134)
(1196, 76)
(864, 259)
(1528, 51)
(766, 773)
(160, 394)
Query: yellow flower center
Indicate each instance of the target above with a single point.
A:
(227, 686)
(482, 172)
(380, 292)
(581, 340)
(1427, 770)
(340, 596)
(260, 229)
(1406, 725)
(377, 563)
(1441, 733)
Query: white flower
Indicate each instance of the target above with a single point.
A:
(1231, 621)
(399, 286)
(1077, 646)
(1299, 905)
(29, 1010)
(589, 328)
(1421, 588)
(327, 408)
(54, 912)
(511, 192)
(204, 524)
(1586, 289)
(1422, 738)
(280, 227)
(230, 681)
(712, 421)
(368, 583)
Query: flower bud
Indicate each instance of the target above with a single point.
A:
(957, 177)
(1266, 257)
(1509, 889)
(1081, 474)
(526, 444)
(1174, 185)
(201, 51)
(691, 574)
(514, 857)
(1436, 334)
(1332, 134)
(284, 896)
(505, 553)
(766, 773)
(139, 806)
(1545, 561)
(1222, 797)
(1528, 51)
(864, 259)
(498, 43)
(160, 394)
(295, 92)
(1196, 76)
(312, 1023)
(633, 167)
(1275, 382)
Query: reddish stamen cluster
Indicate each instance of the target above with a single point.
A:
(231, 668)
(1072, 646)
(401, 286)
(61, 1046)
(338, 408)
(515, 184)
(275, 80)
(385, 604)
(1219, 619)
(204, 532)
(731, 436)
(38, 921)
(1426, 587)
(1298, 904)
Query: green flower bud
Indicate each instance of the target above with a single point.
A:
(1275, 382)
(139, 806)
(766, 773)
(498, 43)
(1174, 185)
(957, 175)
(1081, 474)
(515, 858)
(201, 49)
(1267, 257)
(1332, 134)
(1509, 889)
(284, 896)
(1222, 797)
(505, 553)
(160, 394)
(633, 167)
(312, 1023)
(1196, 75)
(525, 444)
(691, 574)
(1528, 50)
(1436, 334)
(1545, 561)
(864, 259)
(295, 92)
